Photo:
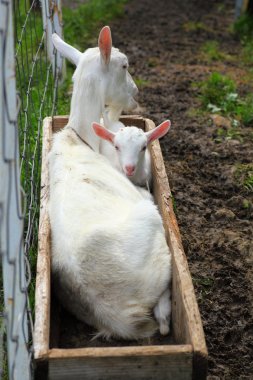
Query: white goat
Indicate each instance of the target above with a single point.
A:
(110, 261)
(101, 78)
(126, 148)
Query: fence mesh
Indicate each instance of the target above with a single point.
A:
(38, 69)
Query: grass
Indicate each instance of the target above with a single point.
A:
(210, 51)
(219, 94)
(194, 26)
(81, 23)
(141, 83)
(231, 133)
(217, 90)
(244, 176)
(243, 28)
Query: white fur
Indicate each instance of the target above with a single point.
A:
(110, 261)
(97, 82)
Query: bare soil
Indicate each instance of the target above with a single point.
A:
(215, 224)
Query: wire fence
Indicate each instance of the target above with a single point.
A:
(30, 72)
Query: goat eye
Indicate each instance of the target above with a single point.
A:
(124, 67)
(144, 148)
(116, 147)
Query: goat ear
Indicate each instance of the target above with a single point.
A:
(105, 44)
(103, 132)
(159, 131)
(66, 50)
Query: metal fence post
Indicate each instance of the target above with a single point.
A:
(11, 218)
(52, 23)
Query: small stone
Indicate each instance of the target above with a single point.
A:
(224, 213)
(216, 154)
(220, 121)
(233, 142)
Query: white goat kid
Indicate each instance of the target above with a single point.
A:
(110, 261)
(101, 78)
(126, 148)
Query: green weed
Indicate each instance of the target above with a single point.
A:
(228, 134)
(247, 55)
(243, 27)
(246, 204)
(141, 83)
(217, 90)
(244, 176)
(195, 112)
(218, 94)
(244, 110)
(210, 51)
(205, 285)
(192, 26)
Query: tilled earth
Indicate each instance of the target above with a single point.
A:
(214, 210)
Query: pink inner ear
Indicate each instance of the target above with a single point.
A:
(103, 132)
(105, 44)
(159, 131)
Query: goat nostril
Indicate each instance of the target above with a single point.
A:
(130, 169)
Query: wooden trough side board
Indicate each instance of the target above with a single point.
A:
(187, 359)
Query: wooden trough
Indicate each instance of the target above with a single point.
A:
(185, 359)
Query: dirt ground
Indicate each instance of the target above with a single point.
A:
(215, 226)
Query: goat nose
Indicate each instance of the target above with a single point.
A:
(130, 169)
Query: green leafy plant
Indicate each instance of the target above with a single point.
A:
(217, 90)
(228, 134)
(244, 176)
(218, 94)
(243, 27)
(244, 110)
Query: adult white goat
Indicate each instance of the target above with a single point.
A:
(110, 261)
(101, 78)
(126, 148)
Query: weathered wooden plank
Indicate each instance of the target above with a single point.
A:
(59, 122)
(133, 120)
(58, 353)
(124, 363)
(187, 324)
(42, 292)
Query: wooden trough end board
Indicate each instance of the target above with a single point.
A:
(185, 360)
(135, 363)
